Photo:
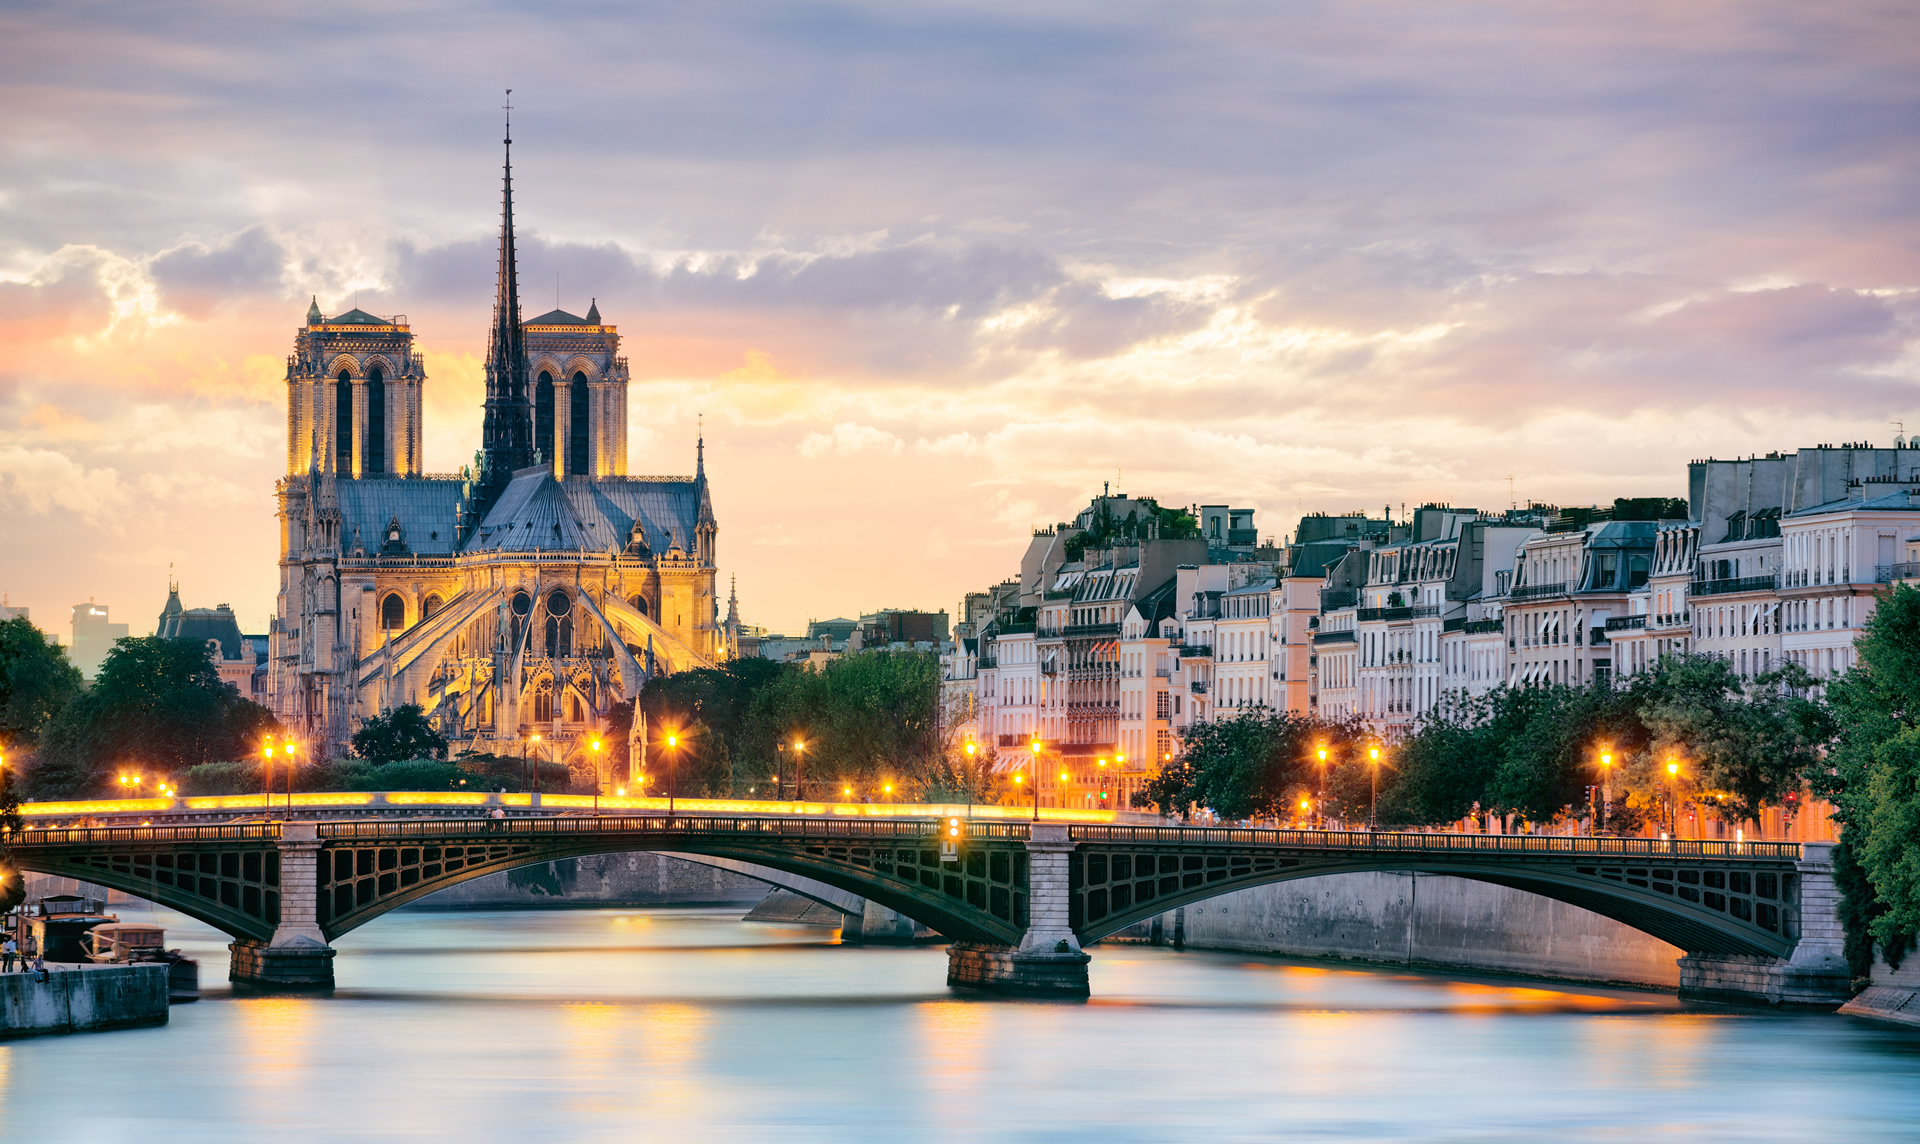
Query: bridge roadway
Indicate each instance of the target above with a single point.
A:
(1018, 899)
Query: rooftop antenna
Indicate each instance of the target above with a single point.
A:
(1511, 503)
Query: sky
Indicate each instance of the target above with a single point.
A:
(932, 275)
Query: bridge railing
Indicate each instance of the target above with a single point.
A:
(68, 836)
(573, 826)
(1448, 843)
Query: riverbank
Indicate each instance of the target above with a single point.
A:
(82, 998)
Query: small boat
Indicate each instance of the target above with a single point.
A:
(124, 941)
(120, 943)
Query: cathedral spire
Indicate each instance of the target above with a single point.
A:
(507, 440)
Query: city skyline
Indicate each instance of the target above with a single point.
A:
(928, 292)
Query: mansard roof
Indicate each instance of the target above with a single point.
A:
(537, 512)
(203, 624)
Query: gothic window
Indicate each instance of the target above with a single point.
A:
(393, 613)
(543, 705)
(576, 712)
(543, 416)
(577, 428)
(343, 424)
(639, 605)
(521, 606)
(559, 625)
(429, 606)
(376, 448)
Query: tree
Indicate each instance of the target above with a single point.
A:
(1872, 775)
(1747, 745)
(401, 734)
(158, 705)
(36, 681)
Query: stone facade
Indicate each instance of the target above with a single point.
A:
(514, 601)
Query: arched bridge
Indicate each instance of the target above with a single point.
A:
(1018, 899)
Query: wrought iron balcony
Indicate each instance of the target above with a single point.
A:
(1531, 591)
(1736, 584)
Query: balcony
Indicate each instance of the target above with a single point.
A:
(1386, 613)
(1626, 623)
(1088, 631)
(1198, 687)
(1333, 638)
(1332, 599)
(1243, 537)
(1534, 591)
(1892, 573)
(1737, 584)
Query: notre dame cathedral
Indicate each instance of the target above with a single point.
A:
(523, 597)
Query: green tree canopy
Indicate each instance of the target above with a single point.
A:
(158, 705)
(401, 734)
(1872, 775)
(36, 681)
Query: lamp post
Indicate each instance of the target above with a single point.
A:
(673, 770)
(266, 776)
(536, 762)
(1320, 800)
(1673, 798)
(971, 748)
(289, 748)
(1606, 790)
(1373, 805)
(799, 784)
(598, 779)
(1034, 770)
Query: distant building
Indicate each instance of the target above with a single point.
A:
(9, 612)
(93, 637)
(240, 659)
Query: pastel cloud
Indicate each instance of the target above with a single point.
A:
(959, 265)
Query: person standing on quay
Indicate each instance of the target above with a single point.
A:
(8, 952)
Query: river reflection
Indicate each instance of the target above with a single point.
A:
(591, 1025)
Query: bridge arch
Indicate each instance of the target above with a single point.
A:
(1112, 889)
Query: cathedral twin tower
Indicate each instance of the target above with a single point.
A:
(524, 598)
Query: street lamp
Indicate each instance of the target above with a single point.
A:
(1035, 769)
(597, 778)
(1606, 792)
(1673, 798)
(1373, 805)
(971, 748)
(673, 772)
(799, 785)
(266, 776)
(289, 748)
(535, 737)
(1321, 800)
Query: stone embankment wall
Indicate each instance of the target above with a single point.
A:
(638, 879)
(82, 998)
(1423, 920)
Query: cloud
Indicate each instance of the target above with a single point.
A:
(42, 481)
(194, 278)
(847, 439)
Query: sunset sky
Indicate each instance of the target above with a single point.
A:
(934, 272)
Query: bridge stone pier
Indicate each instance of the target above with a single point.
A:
(1048, 961)
(297, 956)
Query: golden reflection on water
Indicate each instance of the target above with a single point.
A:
(278, 1032)
(671, 1043)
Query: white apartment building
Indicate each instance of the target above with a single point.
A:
(1244, 648)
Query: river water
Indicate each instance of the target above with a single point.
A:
(592, 1025)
